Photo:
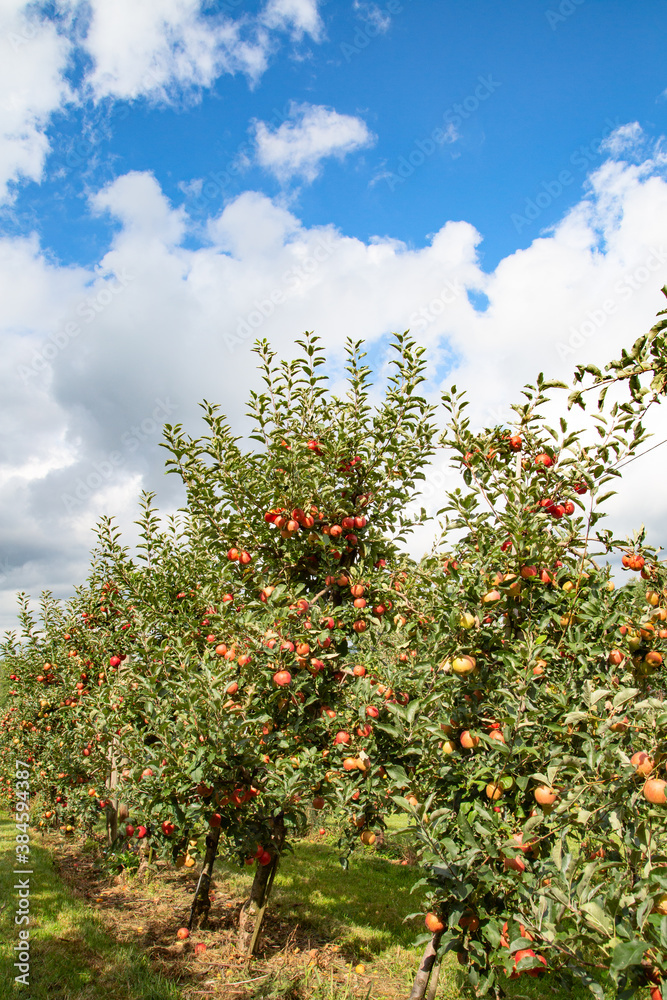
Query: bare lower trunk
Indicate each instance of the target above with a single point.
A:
(201, 904)
(252, 912)
(433, 982)
(425, 969)
(112, 807)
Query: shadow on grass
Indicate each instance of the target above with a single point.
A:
(72, 957)
(362, 908)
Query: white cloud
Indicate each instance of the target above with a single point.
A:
(161, 50)
(160, 47)
(176, 325)
(33, 57)
(377, 19)
(298, 146)
(626, 139)
(301, 16)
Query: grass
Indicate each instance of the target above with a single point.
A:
(71, 955)
(97, 933)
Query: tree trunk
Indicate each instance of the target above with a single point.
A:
(252, 912)
(425, 968)
(201, 904)
(433, 982)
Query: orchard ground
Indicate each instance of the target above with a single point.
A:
(98, 931)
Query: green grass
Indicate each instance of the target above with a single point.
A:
(71, 955)
(363, 907)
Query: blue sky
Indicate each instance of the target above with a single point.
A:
(555, 85)
(177, 177)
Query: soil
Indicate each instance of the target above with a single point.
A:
(148, 907)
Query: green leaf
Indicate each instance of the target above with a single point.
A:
(627, 953)
(466, 831)
(626, 694)
(597, 918)
(398, 775)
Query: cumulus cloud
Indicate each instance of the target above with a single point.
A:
(301, 17)
(33, 59)
(98, 358)
(160, 50)
(157, 49)
(297, 147)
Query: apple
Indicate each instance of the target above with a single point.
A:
(282, 678)
(141, 832)
(372, 712)
(434, 924)
(527, 953)
(182, 933)
(342, 737)
(129, 830)
(641, 762)
(545, 796)
(168, 828)
(463, 665)
(654, 791)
